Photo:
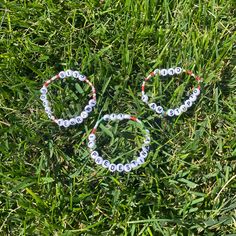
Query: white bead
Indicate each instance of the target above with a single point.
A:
(170, 112)
(106, 163)
(143, 154)
(178, 70)
(145, 148)
(45, 103)
(43, 90)
(164, 72)
(171, 71)
(84, 114)
(147, 140)
(177, 111)
(159, 110)
(192, 97)
(75, 74)
(120, 167)
(127, 168)
(140, 160)
(82, 77)
(72, 121)
(91, 144)
(88, 109)
(43, 97)
(98, 160)
(134, 164)
(79, 119)
(60, 122)
(92, 103)
(48, 109)
(66, 123)
(92, 137)
(62, 74)
(188, 103)
(144, 98)
(126, 116)
(153, 106)
(183, 108)
(112, 167)
(94, 154)
(120, 117)
(106, 117)
(156, 71)
(196, 91)
(113, 116)
(69, 73)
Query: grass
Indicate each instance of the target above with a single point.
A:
(49, 185)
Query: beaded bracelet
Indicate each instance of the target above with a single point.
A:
(118, 167)
(84, 114)
(170, 72)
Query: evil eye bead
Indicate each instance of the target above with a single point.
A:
(73, 121)
(156, 71)
(98, 160)
(79, 119)
(164, 72)
(120, 167)
(143, 154)
(92, 137)
(94, 154)
(112, 167)
(91, 144)
(192, 97)
(196, 91)
(144, 98)
(177, 111)
(84, 114)
(60, 122)
(45, 103)
(159, 110)
(170, 112)
(140, 160)
(88, 109)
(66, 123)
(171, 71)
(62, 74)
(178, 70)
(183, 108)
(113, 117)
(188, 103)
(43, 97)
(92, 103)
(105, 163)
(120, 117)
(43, 90)
(153, 106)
(106, 117)
(134, 164)
(82, 77)
(75, 74)
(147, 139)
(127, 168)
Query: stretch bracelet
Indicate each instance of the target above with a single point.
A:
(88, 108)
(112, 166)
(182, 108)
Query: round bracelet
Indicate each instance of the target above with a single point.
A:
(174, 111)
(118, 167)
(84, 114)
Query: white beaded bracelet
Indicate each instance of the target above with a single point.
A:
(174, 111)
(84, 114)
(118, 167)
